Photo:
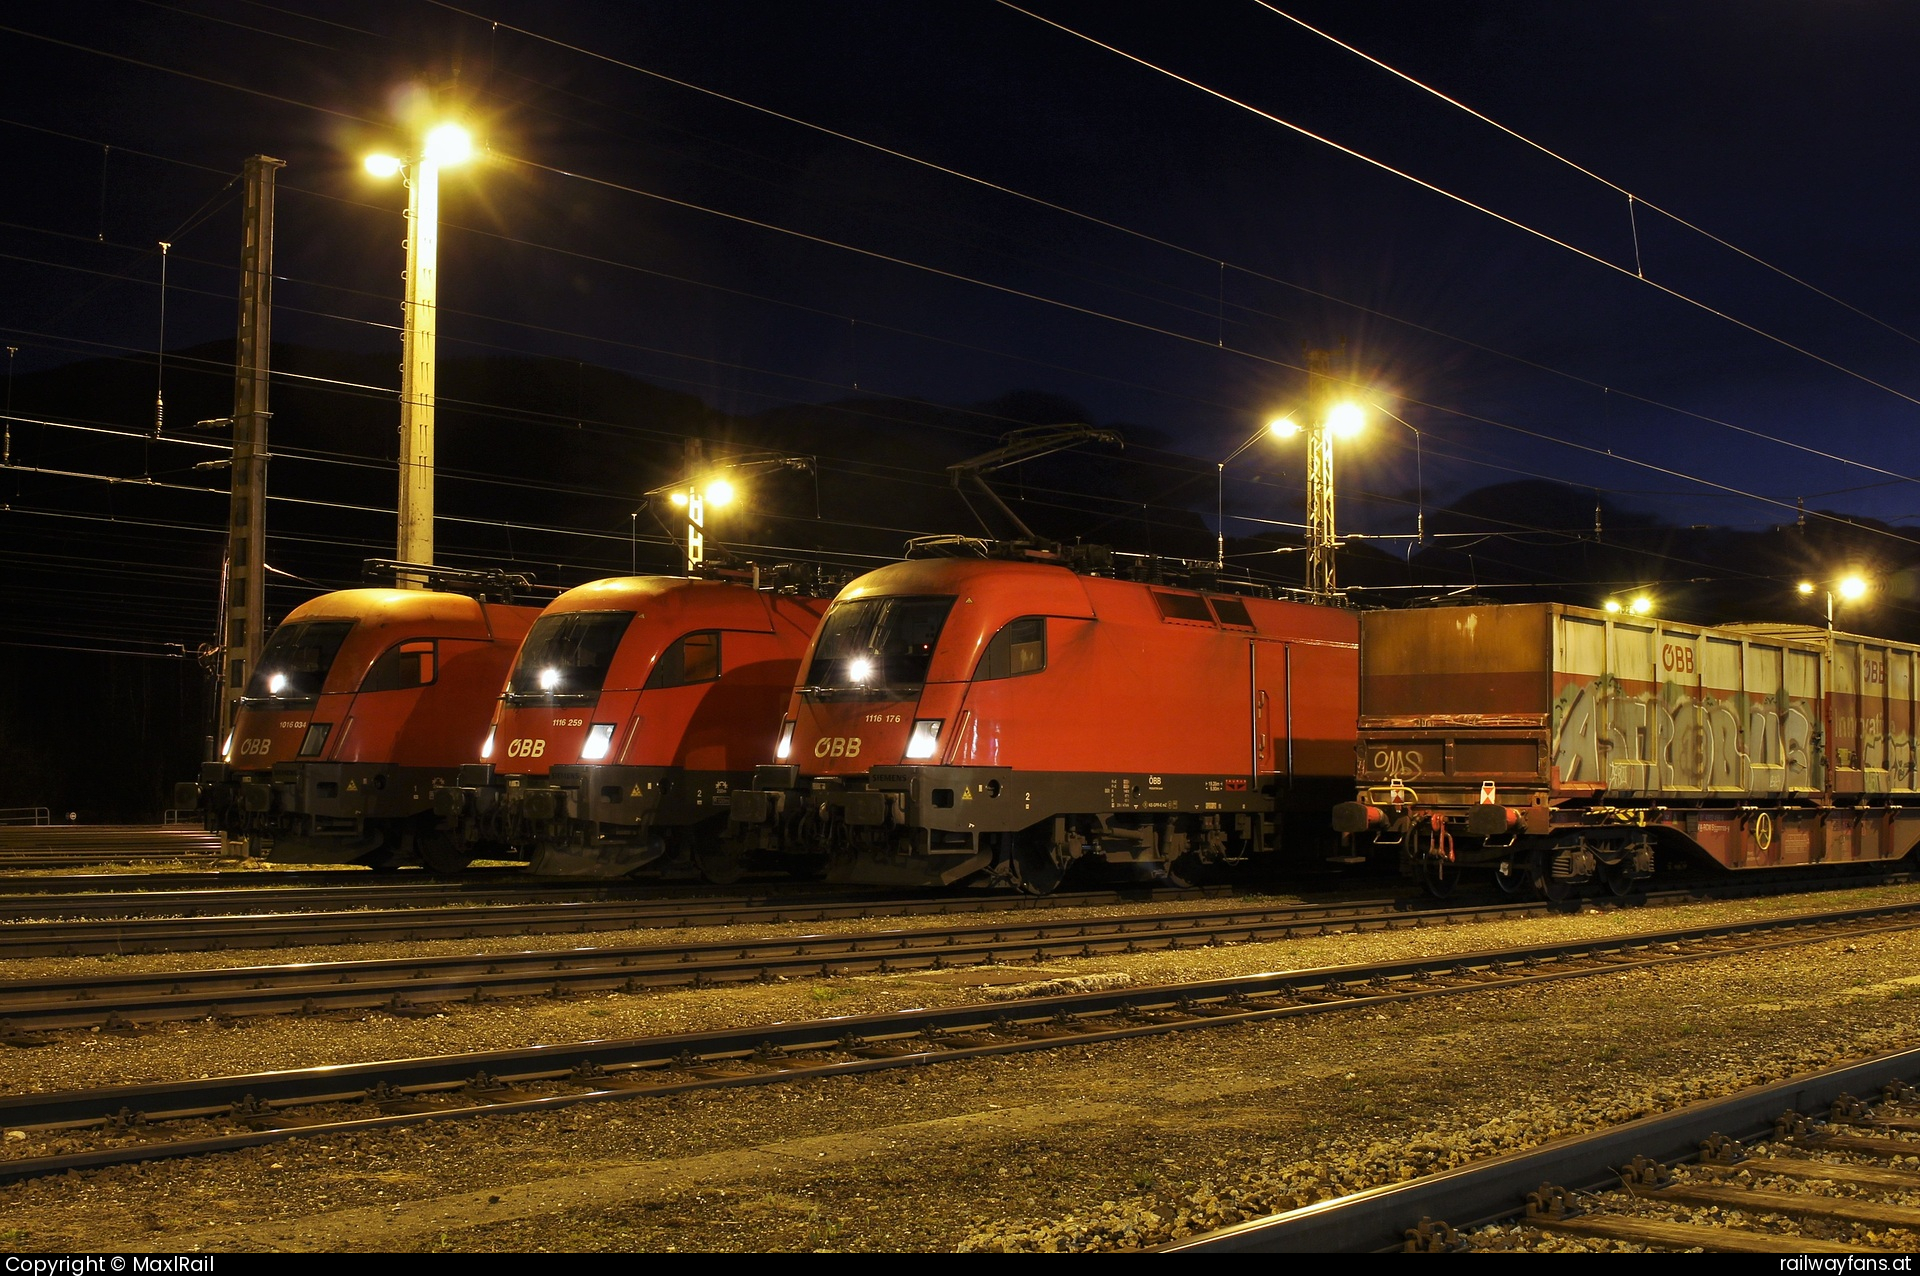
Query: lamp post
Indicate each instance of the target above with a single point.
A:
(1280, 428)
(695, 498)
(713, 489)
(1329, 420)
(1852, 588)
(1419, 476)
(443, 147)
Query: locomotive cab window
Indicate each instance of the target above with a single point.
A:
(295, 663)
(402, 666)
(694, 658)
(1182, 607)
(1019, 648)
(872, 645)
(566, 657)
(1231, 611)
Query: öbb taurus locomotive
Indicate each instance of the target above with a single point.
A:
(965, 719)
(363, 703)
(635, 707)
(1560, 747)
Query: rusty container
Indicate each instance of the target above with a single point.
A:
(1541, 701)
(1568, 743)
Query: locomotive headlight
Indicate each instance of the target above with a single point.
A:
(226, 750)
(315, 739)
(276, 684)
(925, 740)
(486, 750)
(859, 669)
(599, 740)
(549, 679)
(785, 746)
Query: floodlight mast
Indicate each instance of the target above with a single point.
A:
(444, 146)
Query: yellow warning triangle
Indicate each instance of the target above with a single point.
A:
(353, 786)
(636, 791)
(966, 795)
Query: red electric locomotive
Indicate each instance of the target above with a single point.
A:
(364, 702)
(1559, 747)
(637, 705)
(1005, 720)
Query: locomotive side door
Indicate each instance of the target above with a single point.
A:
(1270, 689)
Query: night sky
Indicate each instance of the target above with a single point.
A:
(956, 202)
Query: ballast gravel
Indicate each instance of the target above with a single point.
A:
(1087, 1148)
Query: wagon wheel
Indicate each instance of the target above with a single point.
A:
(1620, 878)
(1512, 877)
(1558, 890)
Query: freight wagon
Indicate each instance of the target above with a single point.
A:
(1002, 720)
(1558, 746)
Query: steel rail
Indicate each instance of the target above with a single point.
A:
(1381, 1219)
(405, 1091)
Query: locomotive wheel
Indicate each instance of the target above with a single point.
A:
(441, 854)
(720, 862)
(1034, 870)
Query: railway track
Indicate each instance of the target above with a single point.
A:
(207, 921)
(1681, 1180)
(428, 893)
(140, 1122)
(73, 937)
(62, 846)
(412, 984)
(217, 879)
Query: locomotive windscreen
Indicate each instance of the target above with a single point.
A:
(565, 657)
(877, 643)
(295, 663)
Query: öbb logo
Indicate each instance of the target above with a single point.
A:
(1676, 659)
(837, 746)
(526, 748)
